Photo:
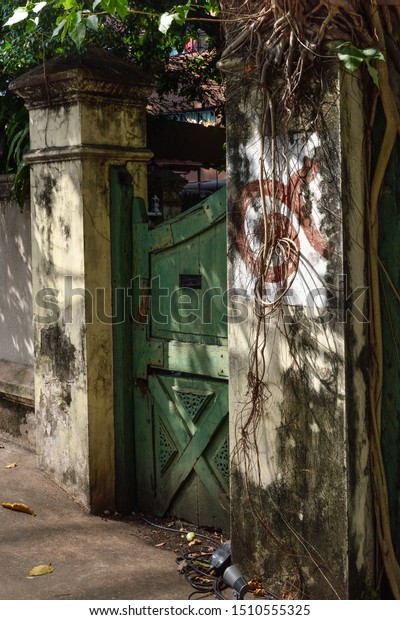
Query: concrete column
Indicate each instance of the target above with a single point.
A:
(85, 116)
(301, 500)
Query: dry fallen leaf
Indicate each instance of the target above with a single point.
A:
(195, 541)
(182, 565)
(10, 465)
(42, 569)
(19, 507)
(259, 592)
(257, 588)
(203, 580)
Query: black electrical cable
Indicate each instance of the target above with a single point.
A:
(193, 571)
(221, 597)
(203, 574)
(193, 560)
(217, 589)
(198, 556)
(200, 596)
(199, 587)
(271, 595)
(198, 571)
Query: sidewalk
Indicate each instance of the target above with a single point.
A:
(93, 559)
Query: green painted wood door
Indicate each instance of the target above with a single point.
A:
(181, 366)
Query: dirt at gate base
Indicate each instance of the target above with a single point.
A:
(169, 533)
(162, 533)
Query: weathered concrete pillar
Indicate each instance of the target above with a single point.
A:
(301, 499)
(86, 115)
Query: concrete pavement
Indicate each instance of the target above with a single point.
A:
(93, 559)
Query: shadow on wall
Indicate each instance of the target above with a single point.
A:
(16, 332)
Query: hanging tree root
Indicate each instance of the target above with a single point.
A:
(281, 42)
(376, 373)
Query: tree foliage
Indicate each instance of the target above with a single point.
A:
(144, 32)
(76, 18)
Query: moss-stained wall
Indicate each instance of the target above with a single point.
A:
(86, 115)
(300, 483)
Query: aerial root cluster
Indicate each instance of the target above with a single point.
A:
(288, 39)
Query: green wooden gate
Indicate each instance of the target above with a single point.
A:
(180, 364)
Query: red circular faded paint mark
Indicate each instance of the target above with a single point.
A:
(250, 230)
(250, 234)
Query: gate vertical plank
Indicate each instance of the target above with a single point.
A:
(121, 259)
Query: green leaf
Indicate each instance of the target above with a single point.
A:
(351, 51)
(351, 61)
(122, 8)
(374, 74)
(352, 64)
(39, 6)
(96, 4)
(92, 22)
(77, 33)
(352, 58)
(31, 25)
(181, 14)
(212, 7)
(18, 16)
(116, 7)
(60, 26)
(68, 4)
(165, 22)
(14, 152)
(373, 53)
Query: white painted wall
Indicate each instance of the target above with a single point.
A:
(16, 331)
(300, 478)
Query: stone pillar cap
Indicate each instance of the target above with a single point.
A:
(97, 74)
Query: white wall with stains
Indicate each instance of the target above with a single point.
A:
(16, 330)
(84, 117)
(298, 444)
